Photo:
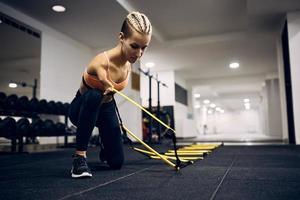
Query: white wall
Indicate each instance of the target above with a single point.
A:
(62, 65)
(274, 111)
(294, 48)
(185, 127)
(234, 123)
(282, 90)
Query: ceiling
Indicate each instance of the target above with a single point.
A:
(196, 38)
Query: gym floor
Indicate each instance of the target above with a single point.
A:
(229, 172)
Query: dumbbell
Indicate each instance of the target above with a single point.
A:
(49, 128)
(42, 106)
(22, 103)
(60, 107)
(66, 108)
(2, 99)
(52, 108)
(36, 127)
(60, 129)
(22, 127)
(33, 105)
(8, 128)
(10, 102)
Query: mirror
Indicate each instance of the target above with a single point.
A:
(20, 57)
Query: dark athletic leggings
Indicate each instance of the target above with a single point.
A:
(86, 113)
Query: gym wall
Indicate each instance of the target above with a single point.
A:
(293, 19)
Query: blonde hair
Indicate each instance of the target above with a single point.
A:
(139, 22)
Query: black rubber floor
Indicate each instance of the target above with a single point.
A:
(229, 172)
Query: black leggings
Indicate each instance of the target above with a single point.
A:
(86, 112)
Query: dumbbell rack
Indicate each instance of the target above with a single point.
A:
(17, 137)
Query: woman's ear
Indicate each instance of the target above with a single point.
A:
(121, 37)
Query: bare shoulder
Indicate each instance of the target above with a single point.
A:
(99, 61)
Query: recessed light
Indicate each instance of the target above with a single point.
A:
(246, 100)
(150, 64)
(206, 101)
(247, 106)
(12, 85)
(218, 109)
(234, 65)
(59, 8)
(197, 95)
(212, 105)
(197, 106)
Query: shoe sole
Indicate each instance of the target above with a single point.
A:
(84, 174)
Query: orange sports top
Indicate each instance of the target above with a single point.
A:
(92, 81)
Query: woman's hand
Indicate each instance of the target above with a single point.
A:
(109, 90)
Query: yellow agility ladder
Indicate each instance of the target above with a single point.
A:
(179, 163)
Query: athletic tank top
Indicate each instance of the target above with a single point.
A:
(92, 81)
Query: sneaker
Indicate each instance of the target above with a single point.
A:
(80, 167)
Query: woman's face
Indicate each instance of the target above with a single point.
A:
(135, 46)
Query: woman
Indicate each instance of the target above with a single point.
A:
(94, 105)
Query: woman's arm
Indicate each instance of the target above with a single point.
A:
(98, 67)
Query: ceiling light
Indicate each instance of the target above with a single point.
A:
(150, 64)
(234, 65)
(58, 8)
(12, 85)
(218, 109)
(197, 106)
(197, 95)
(247, 106)
(246, 100)
(209, 111)
(206, 101)
(212, 105)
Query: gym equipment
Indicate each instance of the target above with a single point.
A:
(33, 105)
(152, 150)
(8, 128)
(60, 129)
(10, 102)
(60, 108)
(49, 128)
(66, 108)
(150, 123)
(42, 106)
(51, 108)
(22, 103)
(179, 163)
(152, 155)
(36, 127)
(22, 127)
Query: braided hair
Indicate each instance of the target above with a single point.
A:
(137, 21)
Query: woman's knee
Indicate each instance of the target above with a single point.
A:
(116, 162)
